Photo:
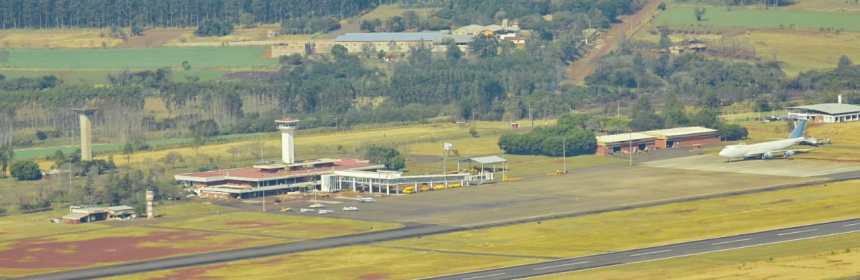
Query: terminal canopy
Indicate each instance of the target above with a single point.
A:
(489, 160)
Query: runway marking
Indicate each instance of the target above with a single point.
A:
(561, 265)
(796, 232)
(731, 241)
(485, 276)
(851, 225)
(650, 253)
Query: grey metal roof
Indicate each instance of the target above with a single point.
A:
(489, 159)
(830, 108)
(624, 137)
(680, 131)
(435, 37)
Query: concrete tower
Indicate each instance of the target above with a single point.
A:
(150, 213)
(287, 127)
(86, 124)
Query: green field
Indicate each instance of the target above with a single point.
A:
(835, 257)
(757, 18)
(93, 65)
(137, 58)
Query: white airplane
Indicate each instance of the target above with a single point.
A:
(770, 149)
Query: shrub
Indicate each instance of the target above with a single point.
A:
(388, 156)
(732, 132)
(26, 170)
(214, 28)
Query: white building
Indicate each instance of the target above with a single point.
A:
(826, 113)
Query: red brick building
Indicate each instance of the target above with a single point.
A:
(625, 143)
(680, 137)
(685, 137)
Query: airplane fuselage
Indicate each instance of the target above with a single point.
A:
(759, 149)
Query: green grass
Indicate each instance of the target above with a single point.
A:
(142, 58)
(835, 257)
(492, 248)
(757, 18)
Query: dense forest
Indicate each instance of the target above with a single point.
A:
(166, 13)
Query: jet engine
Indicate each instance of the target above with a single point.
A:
(767, 155)
(788, 154)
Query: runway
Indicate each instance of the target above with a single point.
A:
(663, 252)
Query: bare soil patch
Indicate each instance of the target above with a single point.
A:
(151, 39)
(41, 253)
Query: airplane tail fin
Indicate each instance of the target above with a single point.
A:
(799, 129)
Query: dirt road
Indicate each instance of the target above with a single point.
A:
(610, 40)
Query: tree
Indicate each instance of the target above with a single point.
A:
(844, 62)
(371, 25)
(733, 132)
(211, 27)
(762, 105)
(128, 150)
(395, 24)
(136, 29)
(484, 46)
(339, 51)
(411, 19)
(662, 6)
(7, 154)
(665, 41)
(452, 51)
(26, 170)
(644, 117)
(674, 113)
(388, 156)
(699, 12)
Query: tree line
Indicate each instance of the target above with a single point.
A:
(569, 137)
(167, 13)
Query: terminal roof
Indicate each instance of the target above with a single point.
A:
(489, 159)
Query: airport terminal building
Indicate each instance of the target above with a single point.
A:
(672, 138)
(328, 175)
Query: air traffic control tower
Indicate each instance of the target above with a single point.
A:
(86, 124)
(287, 126)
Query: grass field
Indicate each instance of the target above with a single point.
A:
(384, 12)
(57, 38)
(789, 34)
(93, 65)
(821, 258)
(328, 144)
(527, 243)
(756, 18)
(29, 243)
(805, 50)
(136, 58)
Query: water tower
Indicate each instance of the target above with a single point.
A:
(287, 126)
(86, 124)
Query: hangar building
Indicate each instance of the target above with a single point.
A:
(680, 137)
(826, 113)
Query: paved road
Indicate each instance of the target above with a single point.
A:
(663, 252)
